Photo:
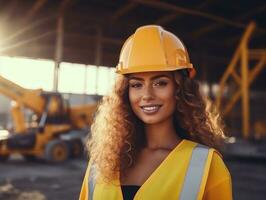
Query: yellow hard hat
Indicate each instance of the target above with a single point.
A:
(151, 48)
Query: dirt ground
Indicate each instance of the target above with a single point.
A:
(248, 177)
(21, 180)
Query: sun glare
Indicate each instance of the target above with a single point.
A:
(28, 73)
(73, 78)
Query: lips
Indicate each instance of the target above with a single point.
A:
(151, 109)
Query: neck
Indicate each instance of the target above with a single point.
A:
(161, 135)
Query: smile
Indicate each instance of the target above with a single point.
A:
(151, 109)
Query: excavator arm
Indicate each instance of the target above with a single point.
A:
(48, 106)
(20, 98)
(31, 99)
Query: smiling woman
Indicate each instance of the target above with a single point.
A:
(155, 136)
(152, 96)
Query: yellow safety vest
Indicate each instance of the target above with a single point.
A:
(182, 175)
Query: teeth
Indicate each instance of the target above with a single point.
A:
(149, 108)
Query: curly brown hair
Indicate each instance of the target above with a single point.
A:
(118, 135)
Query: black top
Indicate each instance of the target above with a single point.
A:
(129, 191)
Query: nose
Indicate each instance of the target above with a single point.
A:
(148, 94)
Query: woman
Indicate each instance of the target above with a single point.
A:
(154, 136)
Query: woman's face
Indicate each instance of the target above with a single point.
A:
(152, 96)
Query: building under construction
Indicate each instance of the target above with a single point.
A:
(76, 45)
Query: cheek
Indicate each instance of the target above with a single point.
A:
(168, 99)
(166, 95)
(133, 98)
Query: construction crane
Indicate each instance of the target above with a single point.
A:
(55, 131)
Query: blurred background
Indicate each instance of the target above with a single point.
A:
(57, 60)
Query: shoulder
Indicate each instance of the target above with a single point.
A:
(192, 144)
(219, 183)
(218, 179)
(218, 168)
(215, 159)
(219, 176)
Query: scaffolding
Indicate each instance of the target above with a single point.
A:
(241, 61)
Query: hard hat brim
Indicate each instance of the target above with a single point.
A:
(154, 68)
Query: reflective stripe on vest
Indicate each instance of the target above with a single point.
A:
(195, 172)
(92, 181)
(193, 178)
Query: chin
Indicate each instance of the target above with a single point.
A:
(150, 120)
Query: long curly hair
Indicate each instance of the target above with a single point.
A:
(117, 135)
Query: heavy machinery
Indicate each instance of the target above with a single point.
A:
(55, 129)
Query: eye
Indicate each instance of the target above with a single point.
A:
(160, 83)
(135, 85)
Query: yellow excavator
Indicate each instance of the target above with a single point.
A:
(54, 132)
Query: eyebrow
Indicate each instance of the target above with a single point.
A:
(152, 78)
